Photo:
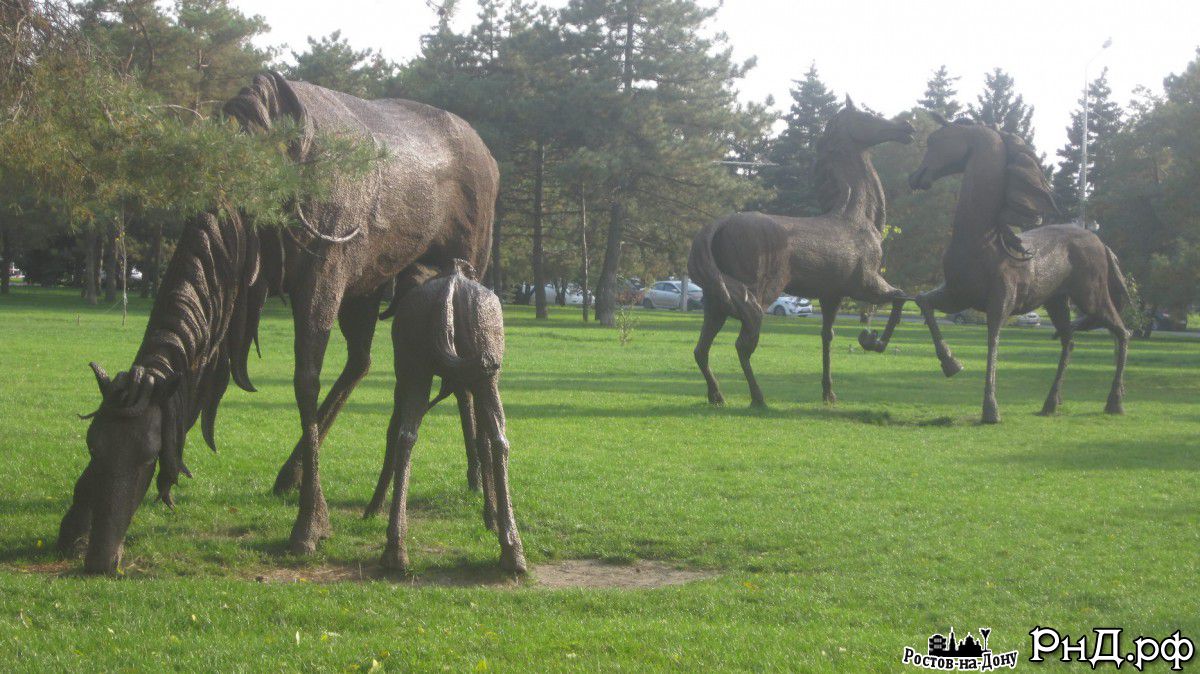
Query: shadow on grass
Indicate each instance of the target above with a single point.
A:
(1180, 453)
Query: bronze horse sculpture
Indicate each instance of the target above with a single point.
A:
(990, 268)
(749, 258)
(431, 200)
(451, 327)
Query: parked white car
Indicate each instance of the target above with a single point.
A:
(574, 295)
(789, 305)
(1028, 320)
(665, 295)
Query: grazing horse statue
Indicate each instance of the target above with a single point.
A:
(990, 268)
(749, 258)
(431, 199)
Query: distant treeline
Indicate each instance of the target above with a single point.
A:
(620, 110)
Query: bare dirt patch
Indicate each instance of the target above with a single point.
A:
(593, 573)
(582, 573)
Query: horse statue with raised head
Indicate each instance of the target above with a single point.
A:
(747, 259)
(431, 199)
(991, 268)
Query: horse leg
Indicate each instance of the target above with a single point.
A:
(870, 340)
(491, 421)
(357, 319)
(747, 342)
(1060, 315)
(1116, 326)
(928, 302)
(714, 320)
(483, 448)
(312, 338)
(999, 309)
(412, 400)
(829, 309)
(466, 417)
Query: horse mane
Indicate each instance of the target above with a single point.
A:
(204, 321)
(835, 189)
(268, 99)
(1027, 194)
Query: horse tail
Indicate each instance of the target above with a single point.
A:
(462, 368)
(1118, 293)
(720, 289)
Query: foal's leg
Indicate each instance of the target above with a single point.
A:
(491, 421)
(466, 417)
(998, 312)
(483, 448)
(412, 399)
(357, 319)
(747, 342)
(1060, 315)
(936, 299)
(714, 320)
(829, 309)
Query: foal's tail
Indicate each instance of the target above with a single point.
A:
(720, 290)
(1118, 292)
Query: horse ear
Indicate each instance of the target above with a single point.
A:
(102, 379)
(850, 103)
(937, 117)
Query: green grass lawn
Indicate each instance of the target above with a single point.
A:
(837, 535)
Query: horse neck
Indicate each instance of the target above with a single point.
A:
(981, 196)
(851, 188)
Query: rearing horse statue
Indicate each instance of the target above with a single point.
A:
(749, 258)
(990, 268)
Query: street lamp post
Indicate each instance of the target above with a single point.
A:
(1083, 165)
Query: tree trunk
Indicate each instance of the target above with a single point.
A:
(583, 253)
(110, 266)
(91, 276)
(496, 269)
(539, 278)
(606, 290)
(684, 298)
(6, 253)
(151, 275)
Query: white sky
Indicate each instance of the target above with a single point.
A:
(881, 52)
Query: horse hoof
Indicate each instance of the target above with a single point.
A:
(830, 398)
(394, 559)
(512, 560)
(716, 399)
(869, 341)
(304, 547)
(758, 405)
(1114, 407)
(951, 367)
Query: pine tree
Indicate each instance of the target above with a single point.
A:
(940, 94)
(1000, 105)
(795, 151)
(332, 63)
(1104, 121)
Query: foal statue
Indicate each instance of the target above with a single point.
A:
(451, 327)
(749, 258)
(990, 268)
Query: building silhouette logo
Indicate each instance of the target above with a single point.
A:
(950, 653)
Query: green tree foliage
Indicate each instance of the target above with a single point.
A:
(999, 104)
(1146, 201)
(795, 150)
(1104, 121)
(940, 94)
